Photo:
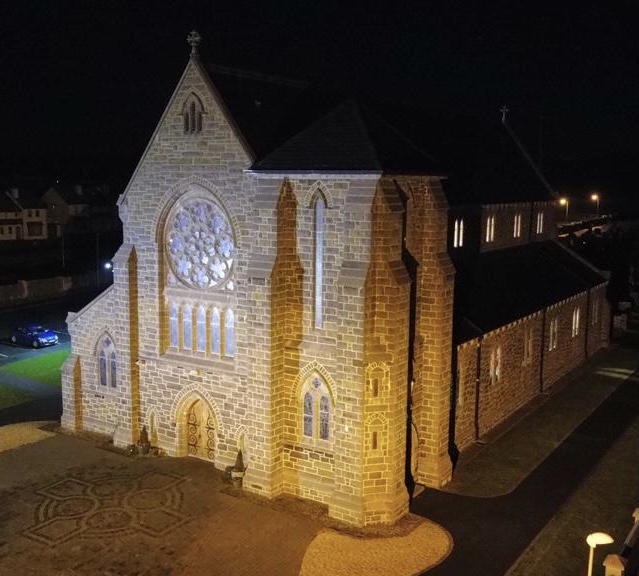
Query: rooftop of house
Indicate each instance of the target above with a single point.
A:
(22, 198)
(78, 194)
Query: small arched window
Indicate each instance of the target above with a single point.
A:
(192, 112)
(103, 368)
(215, 332)
(316, 410)
(229, 333)
(458, 233)
(174, 322)
(187, 327)
(107, 363)
(201, 329)
(308, 415)
(112, 370)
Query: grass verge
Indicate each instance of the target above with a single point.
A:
(43, 368)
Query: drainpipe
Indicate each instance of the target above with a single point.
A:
(543, 351)
(477, 387)
(587, 323)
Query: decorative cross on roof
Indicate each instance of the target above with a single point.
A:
(194, 40)
(504, 111)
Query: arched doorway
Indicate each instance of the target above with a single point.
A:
(200, 433)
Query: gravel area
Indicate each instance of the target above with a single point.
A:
(16, 435)
(339, 554)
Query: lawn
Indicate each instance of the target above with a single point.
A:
(43, 368)
(11, 396)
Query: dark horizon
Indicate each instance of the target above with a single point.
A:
(87, 86)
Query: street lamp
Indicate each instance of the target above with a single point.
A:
(564, 202)
(595, 539)
(595, 198)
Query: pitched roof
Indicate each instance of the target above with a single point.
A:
(502, 286)
(349, 138)
(292, 125)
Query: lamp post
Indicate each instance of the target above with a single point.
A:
(595, 539)
(564, 202)
(595, 198)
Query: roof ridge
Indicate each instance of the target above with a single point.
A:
(396, 131)
(254, 75)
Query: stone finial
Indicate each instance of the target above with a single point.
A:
(194, 40)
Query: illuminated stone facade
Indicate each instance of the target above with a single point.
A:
(279, 314)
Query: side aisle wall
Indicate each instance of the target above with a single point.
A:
(500, 373)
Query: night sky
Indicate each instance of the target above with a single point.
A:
(84, 82)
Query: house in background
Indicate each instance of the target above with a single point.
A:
(10, 218)
(32, 221)
(301, 282)
(80, 208)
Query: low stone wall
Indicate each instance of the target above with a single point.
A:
(40, 289)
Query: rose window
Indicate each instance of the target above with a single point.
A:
(200, 244)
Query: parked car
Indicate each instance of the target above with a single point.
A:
(34, 335)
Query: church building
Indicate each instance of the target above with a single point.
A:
(299, 282)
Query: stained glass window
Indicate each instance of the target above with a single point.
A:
(201, 329)
(107, 364)
(175, 326)
(103, 368)
(200, 244)
(324, 417)
(308, 414)
(316, 402)
(215, 332)
(187, 327)
(112, 369)
(229, 333)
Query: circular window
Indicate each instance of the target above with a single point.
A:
(200, 243)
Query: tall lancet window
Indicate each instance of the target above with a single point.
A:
(175, 325)
(320, 208)
(229, 333)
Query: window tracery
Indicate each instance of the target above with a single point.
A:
(316, 410)
(107, 363)
(200, 244)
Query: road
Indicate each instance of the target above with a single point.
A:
(51, 314)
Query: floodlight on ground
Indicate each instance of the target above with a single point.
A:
(596, 539)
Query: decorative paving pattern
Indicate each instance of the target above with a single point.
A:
(109, 506)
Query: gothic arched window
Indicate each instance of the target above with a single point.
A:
(107, 363)
(174, 322)
(192, 112)
(229, 333)
(216, 339)
(187, 327)
(317, 409)
(201, 329)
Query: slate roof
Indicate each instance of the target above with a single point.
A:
(349, 138)
(502, 286)
(294, 126)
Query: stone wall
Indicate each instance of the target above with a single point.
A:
(483, 402)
